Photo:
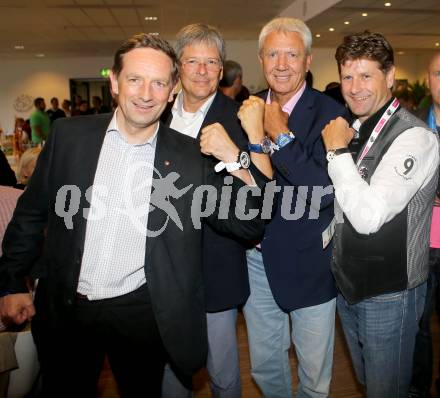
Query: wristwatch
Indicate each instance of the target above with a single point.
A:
(284, 138)
(244, 159)
(265, 146)
(243, 162)
(331, 154)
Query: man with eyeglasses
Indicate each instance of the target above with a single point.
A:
(204, 113)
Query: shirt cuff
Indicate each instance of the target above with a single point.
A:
(342, 168)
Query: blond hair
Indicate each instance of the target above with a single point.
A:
(26, 165)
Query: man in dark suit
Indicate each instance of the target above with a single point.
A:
(290, 274)
(118, 276)
(203, 112)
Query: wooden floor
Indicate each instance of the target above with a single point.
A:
(343, 383)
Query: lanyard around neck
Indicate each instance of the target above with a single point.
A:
(378, 128)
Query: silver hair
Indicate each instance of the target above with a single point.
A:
(286, 25)
(200, 33)
(231, 70)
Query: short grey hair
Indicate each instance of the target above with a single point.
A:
(231, 70)
(200, 33)
(286, 25)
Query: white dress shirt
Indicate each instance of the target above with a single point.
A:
(391, 187)
(186, 122)
(114, 249)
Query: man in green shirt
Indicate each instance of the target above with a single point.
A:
(40, 121)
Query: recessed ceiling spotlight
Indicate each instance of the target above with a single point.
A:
(41, 55)
(154, 33)
(19, 47)
(400, 52)
(151, 18)
(387, 4)
(437, 44)
(346, 22)
(331, 29)
(364, 14)
(318, 35)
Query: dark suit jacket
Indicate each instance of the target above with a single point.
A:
(224, 256)
(7, 175)
(297, 266)
(172, 260)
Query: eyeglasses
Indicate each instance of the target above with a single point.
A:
(211, 64)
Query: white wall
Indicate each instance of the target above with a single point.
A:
(45, 78)
(50, 77)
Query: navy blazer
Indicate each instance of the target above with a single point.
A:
(224, 257)
(297, 266)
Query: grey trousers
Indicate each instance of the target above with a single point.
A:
(222, 363)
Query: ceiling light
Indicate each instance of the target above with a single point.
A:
(364, 14)
(318, 35)
(151, 18)
(41, 55)
(154, 33)
(437, 44)
(346, 22)
(19, 47)
(400, 52)
(387, 4)
(331, 29)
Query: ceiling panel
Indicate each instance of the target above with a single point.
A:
(125, 16)
(100, 16)
(406, 24)
(75, 16)
(91, 27)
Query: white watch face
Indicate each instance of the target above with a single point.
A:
(244, 160)
(330, 155)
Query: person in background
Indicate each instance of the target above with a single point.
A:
(289, 274)
(309, 78)
(19, 138)
(55, 112)
(97, 106)
(84, 108)
(66, 107)
(384, 194)
(26, 166)
(243, 94)
(40, 122)
(77, 100)
(8, 200)
(231, 82)
(333, 90)
(423, 356)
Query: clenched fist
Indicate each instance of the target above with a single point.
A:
(275, 120)
(337, 134)
(16, 308)
(251, 115)
(215, 141)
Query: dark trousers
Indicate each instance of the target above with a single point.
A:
(423, 356)
(123, 328)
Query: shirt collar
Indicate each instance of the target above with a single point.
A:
(289, 105)
(203, 110)
(113, 128)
